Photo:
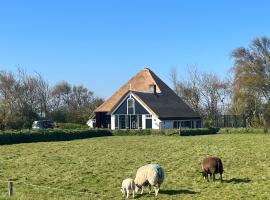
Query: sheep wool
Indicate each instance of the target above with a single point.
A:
(128, 185)
(149, 175)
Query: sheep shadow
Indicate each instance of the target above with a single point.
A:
(175, 192)
(169, 192)
(237, 180)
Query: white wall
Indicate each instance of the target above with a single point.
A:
(90, 123)
(155, 122)
(143, 122)
(112, 122)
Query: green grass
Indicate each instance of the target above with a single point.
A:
(97, 166)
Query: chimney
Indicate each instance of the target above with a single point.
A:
(153, 88)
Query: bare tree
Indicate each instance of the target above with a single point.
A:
(206, 93)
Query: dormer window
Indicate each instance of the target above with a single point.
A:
(130, 106)
(153, 88)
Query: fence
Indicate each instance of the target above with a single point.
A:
(232, 121)
(12, 185)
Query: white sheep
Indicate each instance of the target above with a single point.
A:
(128, 185)
(149, 175)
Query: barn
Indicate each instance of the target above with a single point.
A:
(145, 101)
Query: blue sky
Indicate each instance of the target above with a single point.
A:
(101, 44)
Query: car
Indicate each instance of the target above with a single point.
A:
(43, 124)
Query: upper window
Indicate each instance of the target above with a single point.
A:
(130, 106)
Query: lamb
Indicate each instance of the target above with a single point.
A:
(128, 186)
(149, 175)
(212, 166)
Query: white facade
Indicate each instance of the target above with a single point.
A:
(155, 122)
(142, 121)
(91, 123)
(112, 122)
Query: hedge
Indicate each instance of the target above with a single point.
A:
(72, 126)
(167, 132)
(27, 136)
(247, 130)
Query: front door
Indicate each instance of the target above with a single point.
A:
(134, 122)
(148, 123)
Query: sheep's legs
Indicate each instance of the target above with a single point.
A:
(214, 177)
(127, 193)
(207, 177)
(142, 191)
(156, 189)
(221, 178)
(133, 194)
(123, 192)
(149, 187)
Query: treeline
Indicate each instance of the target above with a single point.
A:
(25, 98)
(244, 92)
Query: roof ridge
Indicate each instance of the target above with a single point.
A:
(139, 82)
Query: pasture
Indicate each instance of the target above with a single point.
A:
(94, 168)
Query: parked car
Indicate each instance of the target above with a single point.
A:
(43, 124)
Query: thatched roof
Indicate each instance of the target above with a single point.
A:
(140, 82)
(164, 103)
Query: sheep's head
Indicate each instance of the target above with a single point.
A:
(204, 175)
(138, 188)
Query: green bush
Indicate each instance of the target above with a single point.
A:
(199, 131)
(168, 132)
(243, 130)
(72, 126)
(27, 136)
(127, 132)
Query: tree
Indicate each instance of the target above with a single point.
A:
(251, 82)
(206, 93)
(73, 103)
(25, 98)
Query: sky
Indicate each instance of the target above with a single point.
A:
(101, 44)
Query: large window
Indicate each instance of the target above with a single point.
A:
(128, 121)
(122, 121)
(182, 124)
(130, 106)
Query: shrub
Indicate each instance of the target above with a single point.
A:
(27, 136)
(247, 130)
(199, 131)
(125, 132)
(168, 132)
(72, 126)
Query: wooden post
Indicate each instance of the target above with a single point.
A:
(10, 188)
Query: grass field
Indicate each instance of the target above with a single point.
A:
(94, 168)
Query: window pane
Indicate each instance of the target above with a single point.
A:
(175, 124)
(131, 106)
(140, 121)
(122, 122)
(116, 121)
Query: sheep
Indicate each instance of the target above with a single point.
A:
(128, 185)
(149, 175)
(212, 166)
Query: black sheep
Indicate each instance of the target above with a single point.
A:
(212, 166)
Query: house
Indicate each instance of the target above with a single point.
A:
(145, 101)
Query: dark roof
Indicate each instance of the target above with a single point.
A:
(167, 106)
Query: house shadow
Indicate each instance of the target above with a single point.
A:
(237, 180)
